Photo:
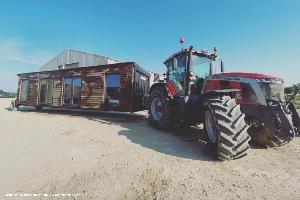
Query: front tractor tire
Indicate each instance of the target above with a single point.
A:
(160, 109)
(226, 128)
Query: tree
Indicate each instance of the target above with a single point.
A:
(288, 90)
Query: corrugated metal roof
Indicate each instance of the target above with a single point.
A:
(72, 59)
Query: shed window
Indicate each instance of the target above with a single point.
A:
(112, 82)
(24, 90)
(72, 91)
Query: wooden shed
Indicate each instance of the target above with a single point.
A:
(111, 87)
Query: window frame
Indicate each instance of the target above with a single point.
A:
(46, 102)
(105, 89)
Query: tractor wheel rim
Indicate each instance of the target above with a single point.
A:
(156, 108)
(211, 127)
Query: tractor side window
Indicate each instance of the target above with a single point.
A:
(170, 65)
(178, 74)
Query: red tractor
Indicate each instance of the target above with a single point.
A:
(234, 107)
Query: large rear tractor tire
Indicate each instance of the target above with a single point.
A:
(226, 128)
(161, 110)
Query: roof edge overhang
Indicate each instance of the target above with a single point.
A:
(77, 68)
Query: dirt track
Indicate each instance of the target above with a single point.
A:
(122, 157)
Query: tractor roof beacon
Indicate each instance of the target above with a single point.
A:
(234, 107)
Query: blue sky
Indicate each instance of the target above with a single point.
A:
(252, 36)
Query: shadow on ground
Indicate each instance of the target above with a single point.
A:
(187, 143)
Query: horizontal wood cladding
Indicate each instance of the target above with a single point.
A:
(92, 86)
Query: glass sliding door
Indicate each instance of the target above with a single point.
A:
(72, 91)
(76, 90)
(68, 91)
(24, 90)
(50, 84)
(43, 91)
(46, 91)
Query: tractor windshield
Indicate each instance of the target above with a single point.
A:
(200, 67)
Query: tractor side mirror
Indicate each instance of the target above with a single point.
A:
(211, 69)
(222, 66)
(165, 76)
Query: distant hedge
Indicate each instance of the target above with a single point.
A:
(13, 94)
(288, 90)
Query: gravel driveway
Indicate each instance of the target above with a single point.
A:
(109, 156)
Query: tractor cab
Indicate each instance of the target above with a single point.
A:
(188, 68)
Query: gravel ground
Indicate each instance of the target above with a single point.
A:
(108, 156)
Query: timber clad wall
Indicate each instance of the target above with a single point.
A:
(92, 86)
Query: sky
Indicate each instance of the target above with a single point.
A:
(261, 36)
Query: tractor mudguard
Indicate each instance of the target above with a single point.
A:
(167, 86)
(152, 88)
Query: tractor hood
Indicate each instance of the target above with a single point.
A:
(246, 75)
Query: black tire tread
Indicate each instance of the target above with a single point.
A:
(170, 119)
(233, 138)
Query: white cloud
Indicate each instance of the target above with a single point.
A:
(18, 50)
